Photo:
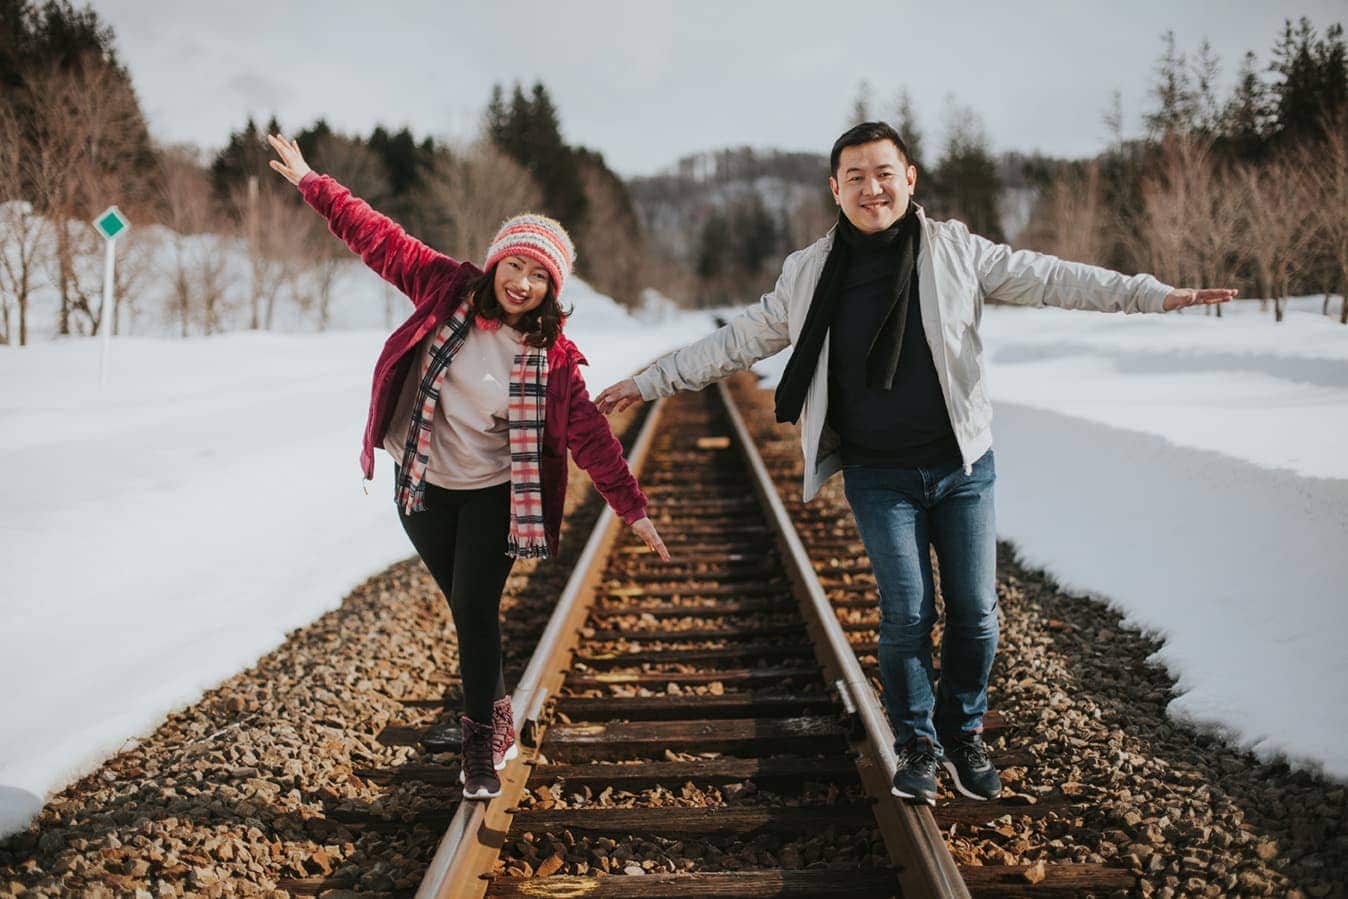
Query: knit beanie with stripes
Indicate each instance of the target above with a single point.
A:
(535, 237)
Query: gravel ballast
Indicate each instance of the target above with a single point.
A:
(266, 786)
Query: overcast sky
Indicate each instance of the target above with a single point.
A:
(647, 82)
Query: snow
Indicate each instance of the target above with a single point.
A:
(1190, 471)
(162, 534)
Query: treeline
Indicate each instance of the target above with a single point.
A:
(71, 134)
(719, 224)
(1247, 190)
(237, 244)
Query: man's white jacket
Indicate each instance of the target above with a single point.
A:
(957, 271)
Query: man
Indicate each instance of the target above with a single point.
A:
(883, 312)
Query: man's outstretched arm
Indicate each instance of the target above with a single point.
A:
(1028, 278)
(754, 334)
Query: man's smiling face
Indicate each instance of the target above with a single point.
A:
(872, 185)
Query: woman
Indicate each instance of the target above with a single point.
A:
(477, 397)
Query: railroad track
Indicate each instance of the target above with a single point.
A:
(720, 709)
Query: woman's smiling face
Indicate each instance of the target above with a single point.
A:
(521, 284)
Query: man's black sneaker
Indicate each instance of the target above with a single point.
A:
(966, 758)
(916, 774)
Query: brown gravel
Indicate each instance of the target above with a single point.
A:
(1189, 814)
(253, 790)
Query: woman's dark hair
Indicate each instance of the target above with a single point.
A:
(540, 326)
(866, 133)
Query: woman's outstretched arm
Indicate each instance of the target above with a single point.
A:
(382, 244)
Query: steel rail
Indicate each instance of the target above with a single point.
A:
(478, 830)
(912, 837)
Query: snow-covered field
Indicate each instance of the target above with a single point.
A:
(163, 533)
(1192, 471)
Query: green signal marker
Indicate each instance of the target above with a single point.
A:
(111, 223)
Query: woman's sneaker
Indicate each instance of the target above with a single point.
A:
(916, 774)
(503, 746)
(966, 758)
(479, 773)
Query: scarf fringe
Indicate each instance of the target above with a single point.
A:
(527, 549)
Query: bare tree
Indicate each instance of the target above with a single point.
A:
(1176, 195)
(611, 225)
(1069, 221)
(321, 258)
(1217, 218)
(197, 253)
(1278, 195)
(476, 189)
(135, 265)
(83, 118)
(1328, 172)
(276, 226)
(22, 231)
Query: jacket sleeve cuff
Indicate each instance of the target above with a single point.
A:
(308, 180)
(1157, 291)
(632, 516)
(648, 382)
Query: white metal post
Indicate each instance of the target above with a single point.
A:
(107, 314)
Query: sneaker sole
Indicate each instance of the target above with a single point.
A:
(930, 800)
(955, 776)
(481, 794)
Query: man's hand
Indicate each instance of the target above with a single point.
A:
(291, 165)
(1188, 296)
(618, 397)
(646, 531)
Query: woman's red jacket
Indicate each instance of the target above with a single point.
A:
(435, 283)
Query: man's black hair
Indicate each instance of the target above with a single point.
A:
(866, 133)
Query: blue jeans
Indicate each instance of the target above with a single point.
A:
(900, 512)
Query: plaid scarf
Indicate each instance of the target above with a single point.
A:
(527, 406)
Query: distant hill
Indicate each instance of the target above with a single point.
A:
(724, 219)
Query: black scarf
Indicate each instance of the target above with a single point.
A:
(882, 357)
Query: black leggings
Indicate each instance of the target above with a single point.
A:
(461, 536)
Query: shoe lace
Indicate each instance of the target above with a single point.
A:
(477, 749)
(918, 757)
(972, 750)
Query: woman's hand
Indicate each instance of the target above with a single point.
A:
(646, 531)
(291, 163)
(1188, 296)
(618, 397)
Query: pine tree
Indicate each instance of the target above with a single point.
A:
(966, 178)
(1331, 58)
(1247, 116)
(905, 122)
(861, 104)
(245, 154)
(1296, 90)
(1176, 102)
(529, 131)
(1207, 109)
